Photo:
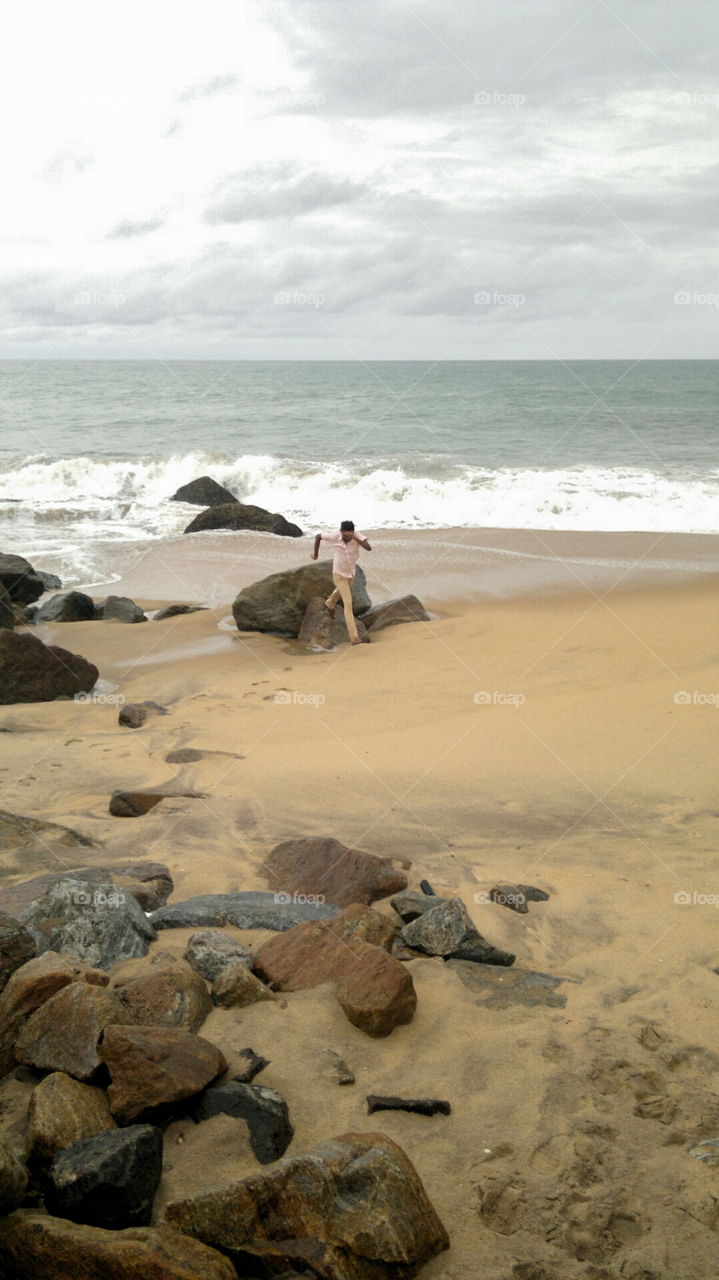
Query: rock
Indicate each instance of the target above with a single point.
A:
(237, 987)
(173, 996)
(20, 580)
(8, 617)
(34, 1246)
(153, 888)
(500, 988)
(707, 1151)
(418, 1106)
(131, 716)
(119, 609)
(152, 1068)
(264, 1109)
(392, 612)
(41, 978)
(31, 671)
(17, 946)
(236, 515)
(334, 1068)
(50, 581)
(71, 606)
(62, 1112)
(447, 930)
(376, 993)
(108, 1180)
(325, 866)
(13, 1180)
(96, 923)
(319, 630)
(516, 896)
(410, 905)
(252, 1064)
(64, 1033)
(204, 492)
(24, 833)
(354, 1205)
(135, 804)
(279, 602)
(177, 610)
(184, 755)
(211, 952)
(250, 910)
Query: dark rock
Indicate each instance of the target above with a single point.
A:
(184, 755)
(264, 1109)
(204, 492)
(17, 946)
(354, 1207)
(119, 609)
(211, 952)
(20, 580)
(426, 888)
(252, 1064)
(72, 606)
(250, 910)
(62, 1112)
(96, 923)
(410, 905)
(177, 610)
(153, 1068)
(392, 612)
(132, 716)
(174, 995)
(418, 1106)
(319, 630)
(323, 865)
(8, 617)
(279, 602)
(516, 896)
(152, 890)
(235, 515)
(31, 671)
(35, 1246)
(13, 1180)
(65, 1032)
(135, 804)
(17, 832)
(333, 1067)
(108, 1180)
(447, 930)
(500, 988)
(237, 987)
(50, 581)
(28, 613)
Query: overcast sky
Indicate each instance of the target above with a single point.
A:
(340, 179)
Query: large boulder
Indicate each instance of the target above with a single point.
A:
(35, 1246)
(72, 606)
(248, 910)
(354, 1206)
(279, 602)
(320, 630)
(31, 671)
(392, 612)
(98, 924)
(119, 609)
(236, 515)
(108, 1180)
(204, 492)
(64, 1033)
(17, 946)
(20, 580)
(62, 1112)
(323, 865)
(154, 1068)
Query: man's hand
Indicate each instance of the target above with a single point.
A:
(315, 553)
(362, 541)
(314, 556)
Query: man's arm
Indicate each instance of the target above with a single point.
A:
(315, 553)
(362, 541)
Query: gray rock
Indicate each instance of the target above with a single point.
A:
(203, 492)
(131, 716)
(108, 1180)
(392, 612)
(279, 602)
(13, 1180)
(98, 924)
(500, 988)
(410, 904)
(265, 1111)
(516, 896)
(17, 946)
(71, 606)
(177, 610)
(236, 515)
(184, 755)
(447, 930)
(251, 910)
(20, 580)
(152, 888)
(211, 952)
(50, 581)
(33, 672)
(119, 609)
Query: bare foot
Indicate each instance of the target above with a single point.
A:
(361, 640)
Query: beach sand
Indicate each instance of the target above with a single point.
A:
(571, 1124)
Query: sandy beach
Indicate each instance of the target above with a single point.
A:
(534, 739)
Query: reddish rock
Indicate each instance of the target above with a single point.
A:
(62, 1112)
(153, 1067)
(376, 992)
(31, 671)
(322, 865)
(40, 978)
(174, 995)
(64, 1033)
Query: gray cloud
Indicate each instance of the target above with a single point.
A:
(280, 191)
(128, 230)
(209, 88)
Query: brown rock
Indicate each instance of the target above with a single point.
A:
(376, 992)
(62, 1112)
(236, 987)
(355, 1206)
(41, 978)
(134, 804)
(31, 671)
(155, 1067)
(174, 995)
(322, 865)
(17, 946)
(7, 613)
(16, 1090)
(392, 612)
(64, 1033)
(132, 716)
(321, 631)
(35, 1246)
(238, 515)
(13, 1179)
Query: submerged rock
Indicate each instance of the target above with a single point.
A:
(203, 492)
(236, 515)
(252, 1064)
(323, 865)
(416, 1106)
(135, 804)
(279, 602)
(499, 988)
(31, 671)
(332, 1067)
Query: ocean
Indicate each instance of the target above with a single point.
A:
(91, 451)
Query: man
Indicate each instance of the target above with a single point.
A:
(347, 545)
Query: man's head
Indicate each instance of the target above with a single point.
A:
(347, 528)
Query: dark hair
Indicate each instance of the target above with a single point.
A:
(347, 526)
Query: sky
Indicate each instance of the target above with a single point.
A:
(360, 179)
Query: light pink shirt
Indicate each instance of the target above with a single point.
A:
(345, 553)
